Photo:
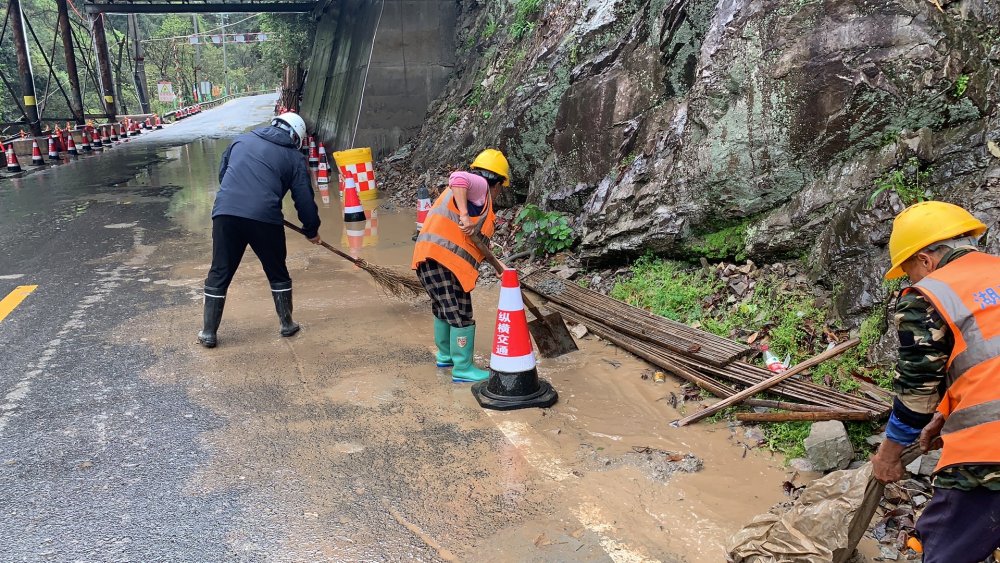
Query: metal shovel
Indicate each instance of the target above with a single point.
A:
(549, 331)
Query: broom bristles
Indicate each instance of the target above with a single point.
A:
(392, 282)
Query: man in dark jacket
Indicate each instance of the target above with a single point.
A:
(256, 172)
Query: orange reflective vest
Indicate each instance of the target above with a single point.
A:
(443, 241)
(966, 293)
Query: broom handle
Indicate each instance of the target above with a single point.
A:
(340, 253)
(500, 267)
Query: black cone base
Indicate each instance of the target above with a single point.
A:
(509, 391)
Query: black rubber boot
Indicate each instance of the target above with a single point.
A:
(215, 301)
(282, 293)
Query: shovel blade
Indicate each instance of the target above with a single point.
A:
(551, 336)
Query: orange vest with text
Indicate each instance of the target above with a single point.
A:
(443, 241)
(966, 293)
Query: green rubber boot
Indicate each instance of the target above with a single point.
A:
(442, 337)
(463, 347)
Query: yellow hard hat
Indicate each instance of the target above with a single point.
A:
(494, 161)
(922, 224)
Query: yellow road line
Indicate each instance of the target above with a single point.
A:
(14, 299)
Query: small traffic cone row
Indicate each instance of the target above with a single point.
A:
(313, 153)
(36, 154)
(12, 164)
(71, 146)
(513, 382)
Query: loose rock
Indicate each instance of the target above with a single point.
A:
(828, 447)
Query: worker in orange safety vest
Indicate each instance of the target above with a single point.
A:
(947, 379)
(447, 260)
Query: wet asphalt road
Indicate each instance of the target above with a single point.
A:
(93, 459)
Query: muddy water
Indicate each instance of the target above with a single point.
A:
(346, 443)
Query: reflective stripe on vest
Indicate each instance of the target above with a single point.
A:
(966, 293)
(442, 240)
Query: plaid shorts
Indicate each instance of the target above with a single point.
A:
(449, 301)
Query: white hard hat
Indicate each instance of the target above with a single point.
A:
(295, 123)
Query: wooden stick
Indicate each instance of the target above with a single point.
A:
(768, 383)
(813, 416)
(869, 504)
(788, 406)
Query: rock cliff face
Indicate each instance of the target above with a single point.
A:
(731, 128)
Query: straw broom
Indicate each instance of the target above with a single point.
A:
(394, 283)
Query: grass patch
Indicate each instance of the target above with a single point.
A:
(787, 438)
(665, 288)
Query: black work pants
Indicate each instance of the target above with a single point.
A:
(230, 237)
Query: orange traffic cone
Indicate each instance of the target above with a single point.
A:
(85, 140)
(114, 133)
(324, 194)
(513, 382)
(353, 211)
(159, 122)
(106, 139)
(53, 151)
(313, 153)
(36, 154)
(71, 146)
(12, 164)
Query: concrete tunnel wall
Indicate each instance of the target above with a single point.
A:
(410, 66)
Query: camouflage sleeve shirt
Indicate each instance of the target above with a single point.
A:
(925, 343)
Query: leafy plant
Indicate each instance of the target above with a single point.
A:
(475, 96)
(490, 28)
(523, 11)
(452, 117)
(548, 231)
(487, 114)
(909, 183)
(961, 85)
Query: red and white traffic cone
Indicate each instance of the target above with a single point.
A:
(322, 155)
(423, 205)
(53, 151)
(106, 141)
(114, 133)
(12, 164)
(323, 174)
(36, 154)
(159, 122)
(354, 212)
(513, 382)
(149, 124)
(85, 141)
(313, 153)
(71, 146)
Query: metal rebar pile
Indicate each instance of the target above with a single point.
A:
(632, 321)
(702, 358)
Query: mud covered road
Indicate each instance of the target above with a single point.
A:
(123, 440)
